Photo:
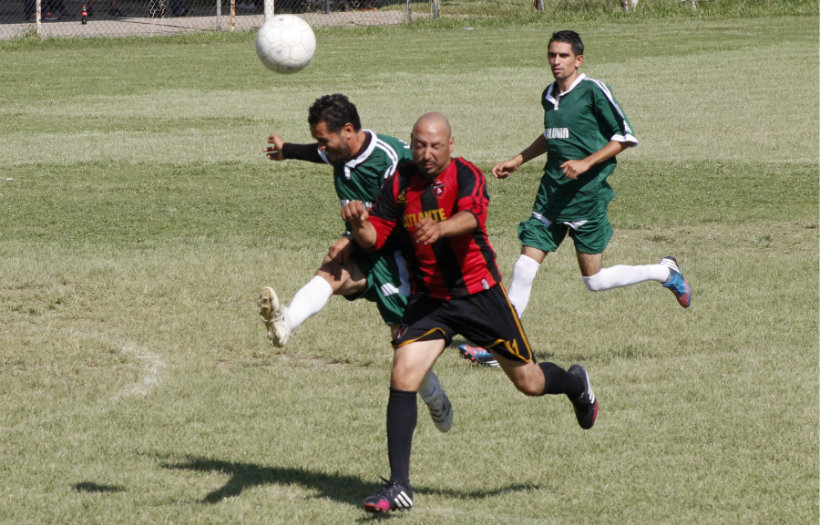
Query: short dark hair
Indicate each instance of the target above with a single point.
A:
(335, 111)
(570, 37)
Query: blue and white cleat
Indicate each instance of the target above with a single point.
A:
(477, 355)
(679, 286)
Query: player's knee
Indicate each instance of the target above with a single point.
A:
(594, 283)
(334, 275)
(529, 386)
(529, 390)
(328, 273)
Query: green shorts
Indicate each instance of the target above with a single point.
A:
(590, 236)
(388, 283)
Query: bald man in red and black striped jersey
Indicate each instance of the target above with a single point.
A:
(431, 208)
(438, 206)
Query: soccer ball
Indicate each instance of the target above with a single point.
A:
(285, 44)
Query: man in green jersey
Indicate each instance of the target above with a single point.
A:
(361, 161)
(585, 128)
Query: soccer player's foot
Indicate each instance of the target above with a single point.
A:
(441, 410)
(477, 355)
(679, 286)
(586, 405)
(275, 317)
(392, 496)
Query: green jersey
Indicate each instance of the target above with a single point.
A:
(577, 123)
(361, 177)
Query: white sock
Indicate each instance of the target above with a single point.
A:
(521, 283)
(623, 275)
(309, 300)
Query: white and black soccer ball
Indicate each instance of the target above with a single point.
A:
(285, 44)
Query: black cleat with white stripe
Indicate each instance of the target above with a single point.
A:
(392, 496)
(585, 405)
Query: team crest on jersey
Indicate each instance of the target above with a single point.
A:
(402, 197)
(438, 187)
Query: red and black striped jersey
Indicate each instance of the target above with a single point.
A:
(451, 267)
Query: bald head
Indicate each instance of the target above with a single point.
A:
(433, 121)
(431, 143)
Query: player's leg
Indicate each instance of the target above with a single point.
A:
(598, 279)
(422, 337)
(411, 363)
(590, 241)
(523, 276)
(521, 283)
(388, 286)
(332, 278)
(538, 237)
(506, 339)
(433, 395)
(539, 379)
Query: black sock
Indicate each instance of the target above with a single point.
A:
(402, 414)
(558, 381)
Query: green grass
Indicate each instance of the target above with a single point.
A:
(573, 11)
(139, 218)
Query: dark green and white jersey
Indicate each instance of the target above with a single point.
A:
(577, 123)
(361, 177)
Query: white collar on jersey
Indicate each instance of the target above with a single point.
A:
(352, 163)
(553, 99)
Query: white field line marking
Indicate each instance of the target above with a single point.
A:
(153, 363)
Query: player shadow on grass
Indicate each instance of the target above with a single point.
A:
(338, 487)
(92, 486)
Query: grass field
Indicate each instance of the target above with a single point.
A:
(139, 218)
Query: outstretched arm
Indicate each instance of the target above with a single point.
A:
(274, 151)
(538, 147)
(281, 150)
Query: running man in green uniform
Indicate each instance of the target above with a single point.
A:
(584, 129)
(361, 161)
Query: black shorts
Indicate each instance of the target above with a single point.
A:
(486, 318)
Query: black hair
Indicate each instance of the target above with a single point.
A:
(570, 37)
(335, 111)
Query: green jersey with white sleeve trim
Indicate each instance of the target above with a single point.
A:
(577, 123)
(361, 177)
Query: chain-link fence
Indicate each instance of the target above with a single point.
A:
(81, 18)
